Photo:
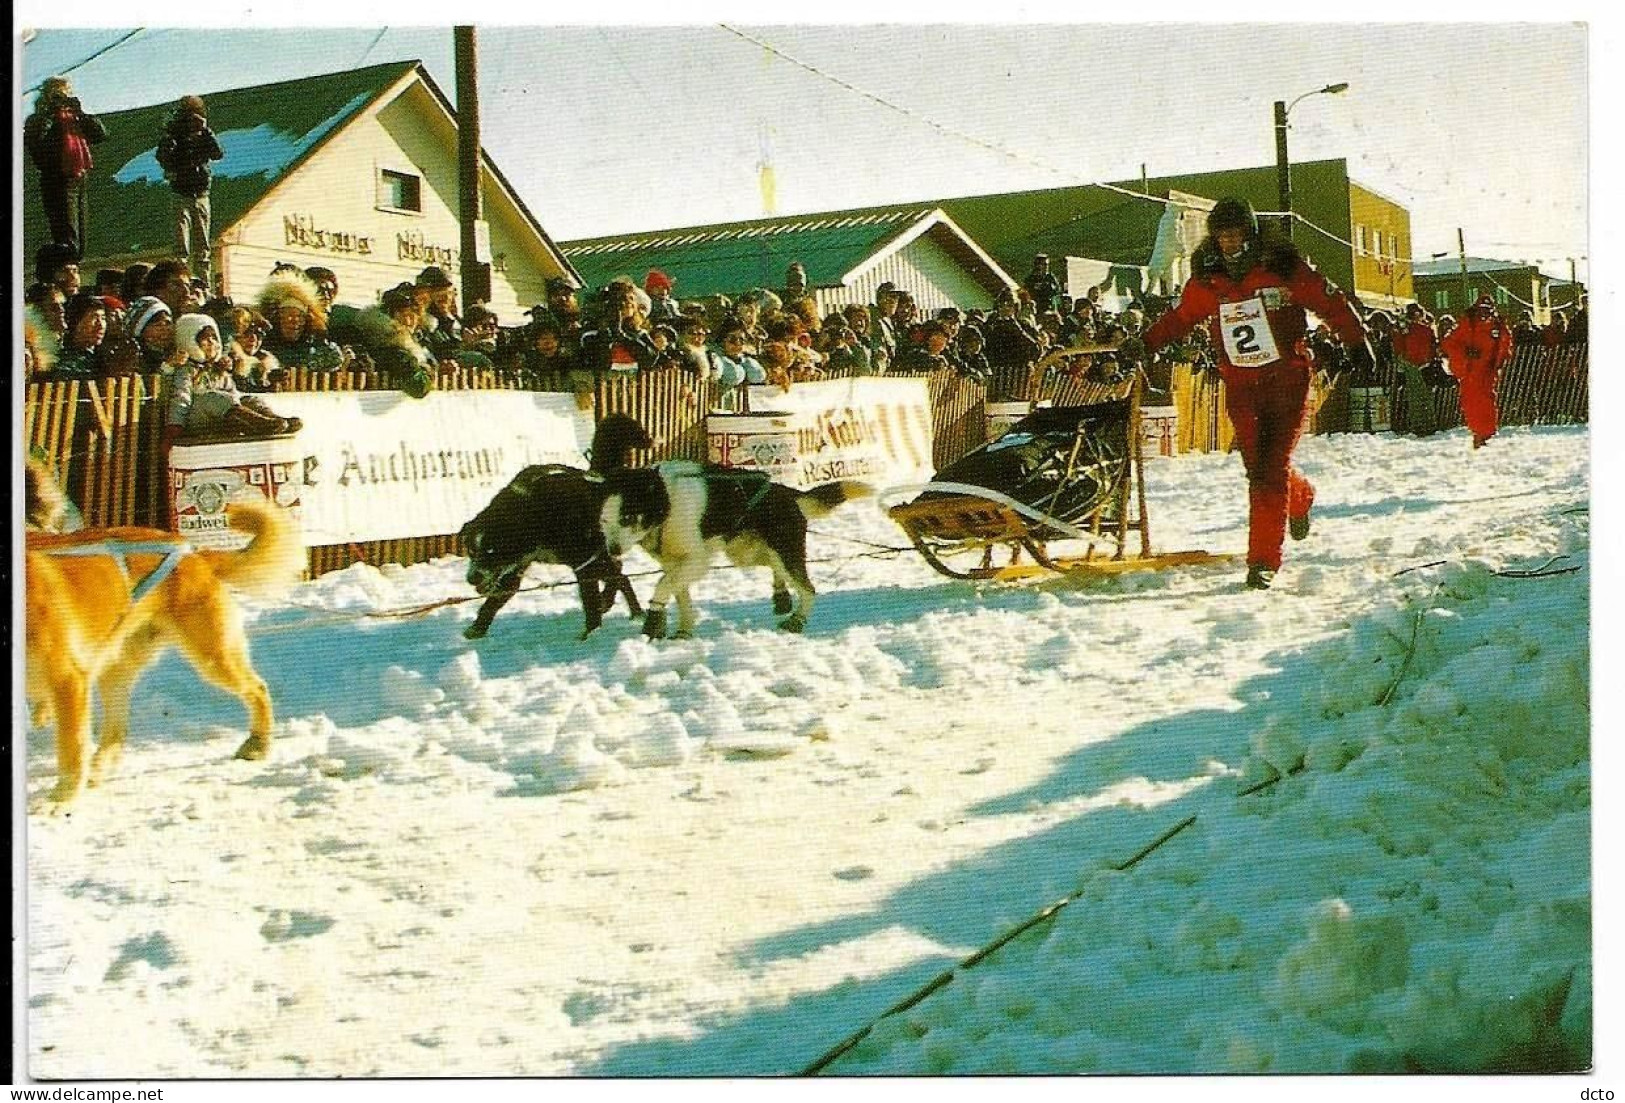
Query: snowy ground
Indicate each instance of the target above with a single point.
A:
(529, 855)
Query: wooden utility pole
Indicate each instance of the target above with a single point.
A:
(1461, 245)
(474, 242)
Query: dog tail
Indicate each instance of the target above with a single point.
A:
(821, 500)
(274, 559)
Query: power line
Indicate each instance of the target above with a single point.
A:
(924, 120)
(81, 64)
(1034, 162)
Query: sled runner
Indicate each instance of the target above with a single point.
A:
(1062, 473)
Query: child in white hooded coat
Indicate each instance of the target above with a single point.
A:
(203, 399)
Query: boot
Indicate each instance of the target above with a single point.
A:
(1259, 577)
(1298, 526)
(247, 422)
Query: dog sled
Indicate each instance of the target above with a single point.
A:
(1062, 475)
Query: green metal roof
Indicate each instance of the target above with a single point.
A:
(266, 131)
(728, 258)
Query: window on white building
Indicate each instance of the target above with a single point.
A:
(1441, 300)
(399, 191)
(1376, 242)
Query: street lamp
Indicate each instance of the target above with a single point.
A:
(1283, 167)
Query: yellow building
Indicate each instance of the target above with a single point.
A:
(354, 171)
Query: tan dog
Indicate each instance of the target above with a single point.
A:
(103, 604)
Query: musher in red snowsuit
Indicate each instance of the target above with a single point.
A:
(1476, 350)
(1253, 292)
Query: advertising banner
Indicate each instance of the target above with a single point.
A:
(206, 478)
(878, 430)
(378, 465)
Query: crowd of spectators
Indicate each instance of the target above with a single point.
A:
(132, 320)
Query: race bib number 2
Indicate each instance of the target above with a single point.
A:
(1248, 340)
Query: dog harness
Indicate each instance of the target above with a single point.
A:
(116, 550)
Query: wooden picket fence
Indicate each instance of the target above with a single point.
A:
(104, 438)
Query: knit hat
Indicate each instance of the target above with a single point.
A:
(657, 280)
(434, 277)
(187, 329)
(145, 311)
(398, 297)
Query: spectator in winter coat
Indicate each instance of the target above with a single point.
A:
(845, 353)
(662, 307)
(562, 309)
(439, 330)
(204, 400)
(81, 356)
(50, 304)
(184, 153)
(170, 281)
(1043, 286)
(795, 283)
(973, 362)
(547, 362)
(1253, 293)
(152, 327)
(478, 345)
(883, 336)
(298, 337)
(257, 371)
(1477, 349)
(388, 332)
(58, 136)
(733, 368)
(1010, 342)
(619, 346)
(1579, 325)
(58, 265)
(1415, 347)
(692, 339)
(929, 356)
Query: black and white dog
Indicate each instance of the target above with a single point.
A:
(549, 514)
(680, 511)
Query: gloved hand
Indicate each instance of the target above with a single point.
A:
(1360, 360)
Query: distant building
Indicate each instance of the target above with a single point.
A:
(354, 171)
(846, 255)
(1514, 285)
(1136, 236)
(1357, 237)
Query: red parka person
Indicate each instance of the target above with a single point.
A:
(1415, 347)
(1476, 350)
(1253, 292)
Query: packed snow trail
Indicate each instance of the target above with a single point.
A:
(530, 855)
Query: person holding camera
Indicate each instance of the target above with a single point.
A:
(58, 137)
(184, 152)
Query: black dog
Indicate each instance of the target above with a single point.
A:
(680, 511)
(549, 514)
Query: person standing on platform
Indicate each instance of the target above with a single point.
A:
(1253, 291)
(1477, 349)
(58, 137)
(185, 152)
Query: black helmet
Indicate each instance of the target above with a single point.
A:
(1231, 213)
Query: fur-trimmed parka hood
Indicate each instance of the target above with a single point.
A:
(1276, 254)
(297, 289)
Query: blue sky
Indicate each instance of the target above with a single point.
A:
(611, 128)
